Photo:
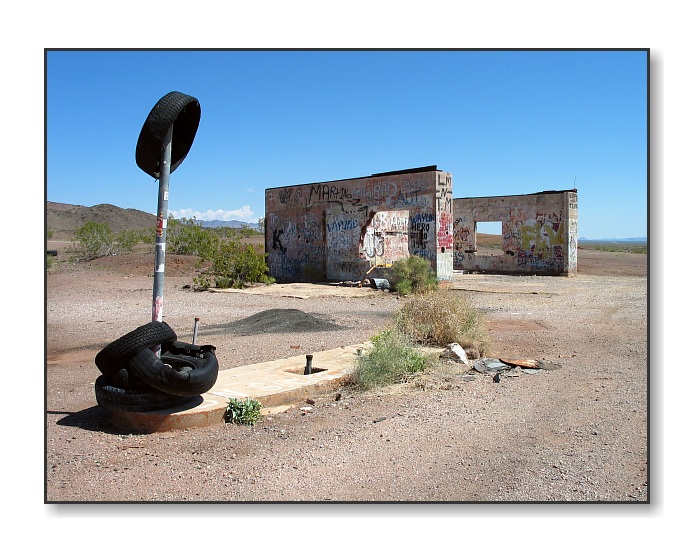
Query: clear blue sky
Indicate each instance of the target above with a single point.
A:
(502, 122)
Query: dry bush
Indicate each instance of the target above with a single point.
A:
(441, 317)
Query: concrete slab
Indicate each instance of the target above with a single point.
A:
(275, 384)
(302, 290)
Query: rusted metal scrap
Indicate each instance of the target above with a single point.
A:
(524, 363)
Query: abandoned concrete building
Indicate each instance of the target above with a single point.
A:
(346, 230)
(339, 230)
(539, 233)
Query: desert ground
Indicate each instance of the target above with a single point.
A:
(577, 433)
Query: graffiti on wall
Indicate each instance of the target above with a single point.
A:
(543, 240)
(358, 222)
(386, 237)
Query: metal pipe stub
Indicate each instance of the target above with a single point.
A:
(309, 360)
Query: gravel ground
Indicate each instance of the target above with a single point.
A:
(577, 433)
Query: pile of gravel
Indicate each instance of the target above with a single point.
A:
(282, 321)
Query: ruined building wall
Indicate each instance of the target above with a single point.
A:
(339, 230)
(539, 233)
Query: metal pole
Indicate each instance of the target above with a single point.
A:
(195, 329)
(161, 239)
(307, 368)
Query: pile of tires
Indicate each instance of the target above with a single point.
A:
(135, 379)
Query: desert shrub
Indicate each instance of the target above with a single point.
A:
(246, 412)
(411, 275)
(187, 237)
(125, 241)
(441, 317)
(393, 358)
(232, 265)
(93, 240)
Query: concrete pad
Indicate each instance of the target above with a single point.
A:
(274, 384)
(302, 290)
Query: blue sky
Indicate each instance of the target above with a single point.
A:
(502, 122)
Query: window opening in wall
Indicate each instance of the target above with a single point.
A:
(488, 237)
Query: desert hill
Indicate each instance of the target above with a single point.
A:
(63, 219)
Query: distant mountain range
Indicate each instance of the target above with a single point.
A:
(229, 223)
(640, 240)
(65, 218)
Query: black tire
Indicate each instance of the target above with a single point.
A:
(177, 109)
(126, 380)
(185, 369)
(134, 400)
(116, 355)
(52, 252)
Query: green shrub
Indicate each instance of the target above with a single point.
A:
(187, 237)
(441, 317)
(233, 265)
(246, 412)
(93, 240)
(125, 241)
(412, 275)
(392, 359)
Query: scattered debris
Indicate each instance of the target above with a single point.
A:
(533, 364)
(338, 397)
(505, 367)
(310, 401)
(455, 353)
(378, 420)
(379, 283)
(490, 365)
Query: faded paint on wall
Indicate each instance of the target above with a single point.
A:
(539, 233)
(339, 230)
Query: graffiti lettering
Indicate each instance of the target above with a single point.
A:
(324, 192)
(277, 242)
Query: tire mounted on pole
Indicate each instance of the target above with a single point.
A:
(177, 109)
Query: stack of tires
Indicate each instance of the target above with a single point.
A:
(134, 379)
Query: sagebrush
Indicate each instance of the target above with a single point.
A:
(93, 240)
(440, 317)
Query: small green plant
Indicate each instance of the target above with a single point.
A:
(246, 412)
(393, 358)
(441, 317)
(412, 275)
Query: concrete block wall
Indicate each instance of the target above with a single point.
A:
(539, 233)
(339, 230)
